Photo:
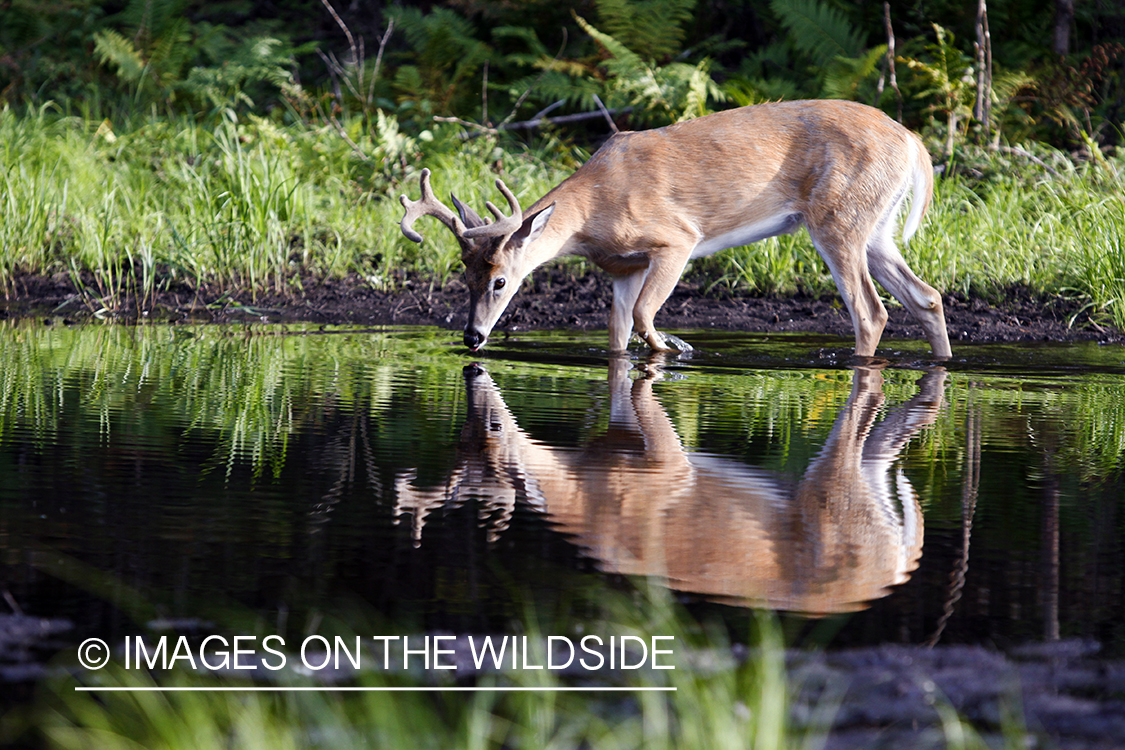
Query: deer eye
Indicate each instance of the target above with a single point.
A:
(499, 284)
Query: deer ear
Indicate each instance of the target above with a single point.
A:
(533, 226)
(469, 217)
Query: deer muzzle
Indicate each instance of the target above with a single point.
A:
(474, 339)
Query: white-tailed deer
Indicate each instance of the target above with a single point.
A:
(637, 501)
(648, 202)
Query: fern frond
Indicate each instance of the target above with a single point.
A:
(653, 29)
(819, 30)
(622, 54)
(113, 49)
(152, 18)
(700, 88)
(171, 51)
(843, 76)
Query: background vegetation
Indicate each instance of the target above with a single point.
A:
(241, 146)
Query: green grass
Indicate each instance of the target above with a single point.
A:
(247, 205)
(721, 703)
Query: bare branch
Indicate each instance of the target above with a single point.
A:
(605, 113)
(379, 59)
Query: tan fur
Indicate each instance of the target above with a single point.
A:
(647, 201)
(640, 504)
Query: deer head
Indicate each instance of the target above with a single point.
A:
(493, 251)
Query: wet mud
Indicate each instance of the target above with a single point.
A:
(558, 298)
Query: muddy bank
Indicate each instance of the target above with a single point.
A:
(556, 298)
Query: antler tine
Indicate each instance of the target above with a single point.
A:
(428, 205)
(503, 224)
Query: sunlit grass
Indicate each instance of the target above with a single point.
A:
(232, 205)
(250, 206)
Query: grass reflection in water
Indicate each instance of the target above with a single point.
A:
(264, 479)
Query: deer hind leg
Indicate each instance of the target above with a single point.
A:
(922, 300)
(843, 251)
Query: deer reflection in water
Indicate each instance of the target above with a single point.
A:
(639, 503)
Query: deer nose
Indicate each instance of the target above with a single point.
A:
(474, 339)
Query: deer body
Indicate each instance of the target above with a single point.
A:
(648, 202)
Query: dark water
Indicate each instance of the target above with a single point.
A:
(273, 479)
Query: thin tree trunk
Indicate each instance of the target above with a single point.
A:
(1064, 17)
(891, 57)
(982, 110)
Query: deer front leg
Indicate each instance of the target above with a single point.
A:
(663, 273)
(626, 289)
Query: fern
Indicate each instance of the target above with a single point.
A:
(675, 92)
(569, 83)
(152, 19)
(257, 60)
(653, 29)
(818, 30)
(113, 49)
(446, 54)
(948, 82)
(843, 77)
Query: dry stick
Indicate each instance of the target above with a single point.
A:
(11, 600)
(379, 60)
(481, 129)
(484, 94)
(337, 71)
(605, 113)
(536, 122)
(1017, 151)
(340, 131)
(566, 119)
(891, 57)
(340, 22)
(358, 54)
(548, 109)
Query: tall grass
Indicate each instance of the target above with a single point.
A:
(240, 206)
(249, 205)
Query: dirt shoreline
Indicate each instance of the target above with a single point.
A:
(556, 298)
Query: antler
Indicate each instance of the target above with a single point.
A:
(503, 224)
(428, 206)
(431, 206)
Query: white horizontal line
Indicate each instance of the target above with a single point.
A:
(270, 689)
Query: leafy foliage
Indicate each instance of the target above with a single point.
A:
(654, 29)
(948, 81)
(261, 59)
(818, 30)
(446, 55)
(673, 92)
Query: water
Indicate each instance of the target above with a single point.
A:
(273, 479)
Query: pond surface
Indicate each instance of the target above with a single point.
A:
(274, 478)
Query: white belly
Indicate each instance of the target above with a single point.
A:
(744, 235)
